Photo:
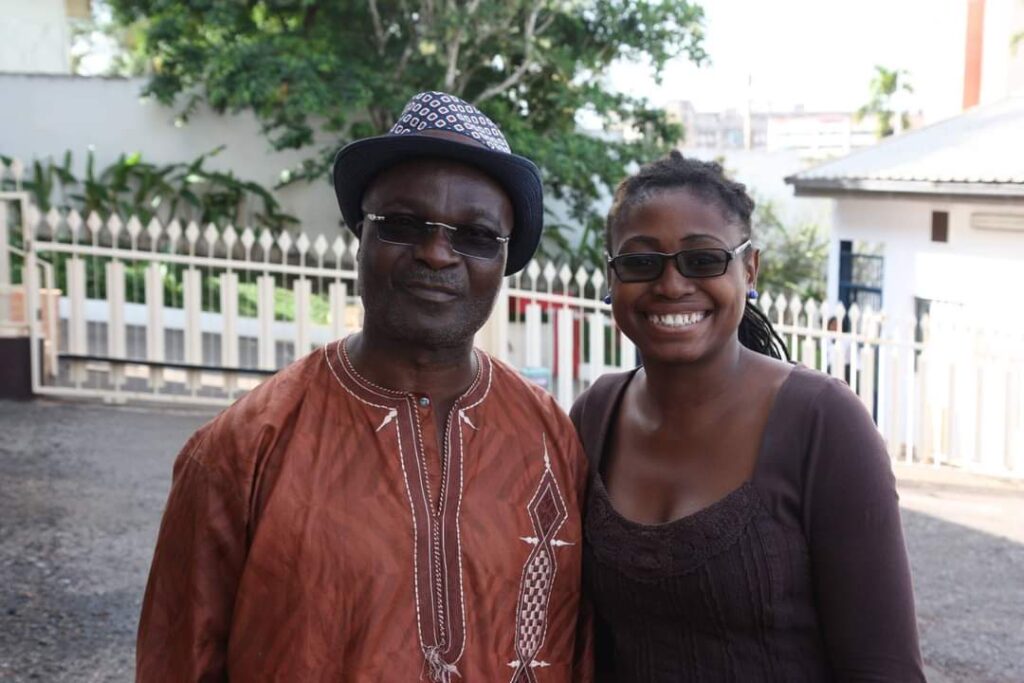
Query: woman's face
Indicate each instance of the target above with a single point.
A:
(676, 319)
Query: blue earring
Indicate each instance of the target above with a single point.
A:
(752, 294)
(607, 298)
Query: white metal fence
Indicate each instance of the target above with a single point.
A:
(200, 314)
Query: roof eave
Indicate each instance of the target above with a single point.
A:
(836, 187)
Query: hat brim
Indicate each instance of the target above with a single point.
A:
(356, 165)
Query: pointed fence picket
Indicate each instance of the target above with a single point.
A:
(192, 313)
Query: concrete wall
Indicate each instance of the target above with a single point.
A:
(34, 36)
(43, 116)
(976, 267)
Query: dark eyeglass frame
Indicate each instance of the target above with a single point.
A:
(429, 227)
(679, 258)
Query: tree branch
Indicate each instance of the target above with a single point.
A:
(455, 45)
(378, 27)
(529, 31)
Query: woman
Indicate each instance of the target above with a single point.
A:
(742, 523)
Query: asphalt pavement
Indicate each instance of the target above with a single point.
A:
(83, 485)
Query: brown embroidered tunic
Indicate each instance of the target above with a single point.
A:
(315, 532)
(798, 576)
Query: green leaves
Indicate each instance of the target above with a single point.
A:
(886, 85)
(793, 257)
(320, 73)
(133, 186)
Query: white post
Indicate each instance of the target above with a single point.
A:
(867, 378)
(155, 323)
(229, 316)
(1015, 422)
(627, 352)
(338, 296)
(493, 336)
(77, 329)
(564, 318)
(265, 316)
(229, 329)
(116, 339)
(893, 391)
(533, 333)
(808, 351)
(302, 290)
(116, 335)
(837, 366)
(192, 284)
(597, 329)
(5, 257)
(31, 280)
(77, 334)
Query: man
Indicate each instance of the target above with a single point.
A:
(396, 506)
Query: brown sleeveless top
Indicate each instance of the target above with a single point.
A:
(799, 575)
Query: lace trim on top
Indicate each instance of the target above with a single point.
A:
(659, 551)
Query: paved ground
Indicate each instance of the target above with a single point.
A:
(82, 487)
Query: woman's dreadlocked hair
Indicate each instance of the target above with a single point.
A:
(707, 180)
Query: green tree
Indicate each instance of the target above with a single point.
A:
(793, 257)
(318, 73)
(886, 86)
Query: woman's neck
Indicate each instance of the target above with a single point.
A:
(668, 386)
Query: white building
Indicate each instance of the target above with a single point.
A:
(35, 35)
(819, 135)
(935, 214)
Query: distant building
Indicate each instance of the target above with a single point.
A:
(819, 135)
(717, 130)
(813, 135)
(935, 214)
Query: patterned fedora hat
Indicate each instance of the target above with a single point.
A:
(436, 124)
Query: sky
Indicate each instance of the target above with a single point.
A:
(817, 53)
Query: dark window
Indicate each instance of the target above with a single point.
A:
(940, 226)
(860, 277)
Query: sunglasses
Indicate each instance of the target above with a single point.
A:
(413, 232)
(692, 263)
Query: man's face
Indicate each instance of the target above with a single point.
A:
(428, 294)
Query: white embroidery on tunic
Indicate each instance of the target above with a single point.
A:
(440, 609)
(548, 512)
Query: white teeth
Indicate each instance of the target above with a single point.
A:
(678, 319)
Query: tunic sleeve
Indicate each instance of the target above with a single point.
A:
(200, 551)
(859, 561)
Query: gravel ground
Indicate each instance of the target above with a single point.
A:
(82, 487)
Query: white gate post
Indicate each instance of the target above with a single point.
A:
(627, 352)
(596, 345)
(338, 297)
(5, 256)
(116, 335)
(302, 290)
(265, 315)
(193, 292)
(77, 339)
(564, 320)
(493, 336)
(155, 323)
(229, 329)
(533, 334)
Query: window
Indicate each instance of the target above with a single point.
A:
(940, 226)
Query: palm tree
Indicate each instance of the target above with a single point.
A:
(886, 85)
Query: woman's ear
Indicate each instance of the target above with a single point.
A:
(752, 264)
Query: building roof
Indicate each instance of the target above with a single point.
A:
(978, 153)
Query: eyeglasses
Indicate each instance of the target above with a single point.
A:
(411, 231)
(692, 263)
